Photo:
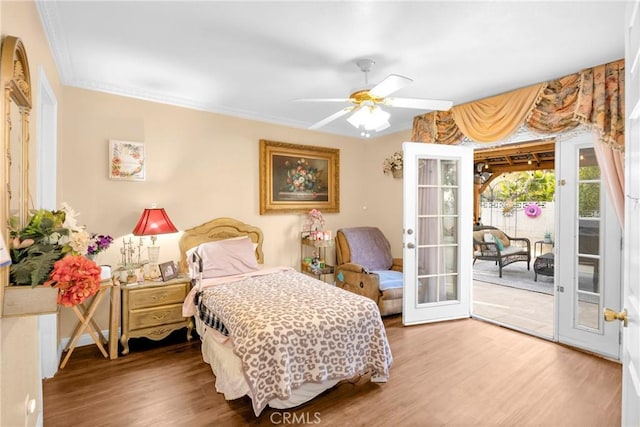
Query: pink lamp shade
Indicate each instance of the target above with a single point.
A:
(154, 221)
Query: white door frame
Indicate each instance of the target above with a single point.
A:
(46, 175)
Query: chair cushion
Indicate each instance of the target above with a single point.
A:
(499, 234)
(389, 279)
(513, 250)
(369, 248)
(490, 238)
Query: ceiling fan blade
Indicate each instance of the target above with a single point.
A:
(322, 100)
(332, 117)
(390, 84)
(419, 104)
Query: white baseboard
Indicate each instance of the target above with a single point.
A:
(82, 341)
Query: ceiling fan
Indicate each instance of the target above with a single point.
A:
(366, 102)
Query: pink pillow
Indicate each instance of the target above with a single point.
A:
(227, 257)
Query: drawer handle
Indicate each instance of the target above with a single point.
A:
(160, 297)
(161, 316)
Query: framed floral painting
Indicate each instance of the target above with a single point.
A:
(126, 160)
(297, 178)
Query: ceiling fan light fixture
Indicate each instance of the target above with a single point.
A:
(370, 118)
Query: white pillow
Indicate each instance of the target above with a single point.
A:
(488, 238)
(225, 257)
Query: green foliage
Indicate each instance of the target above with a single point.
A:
(35, 269)
(36, 247)
(589, 192)
(537, 186)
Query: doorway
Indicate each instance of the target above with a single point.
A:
(582, 249)
(47, 137)
(514, 192)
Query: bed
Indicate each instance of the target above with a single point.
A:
(272, 333)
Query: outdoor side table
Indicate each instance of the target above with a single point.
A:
(541, 243)
(544, 265)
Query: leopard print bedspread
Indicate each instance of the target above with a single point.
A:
(289, 328)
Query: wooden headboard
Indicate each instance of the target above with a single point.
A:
(218, 229)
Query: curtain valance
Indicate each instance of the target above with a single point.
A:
(594, 97)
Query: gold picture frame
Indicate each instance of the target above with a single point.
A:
(297, 178)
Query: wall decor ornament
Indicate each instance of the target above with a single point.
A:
(126, 160)
(297, 178)
(532, 210)
(393, 165)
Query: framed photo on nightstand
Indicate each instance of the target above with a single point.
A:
(168, 270)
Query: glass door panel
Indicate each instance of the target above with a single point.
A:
(436, 192)
(587, 252)
(587, 298)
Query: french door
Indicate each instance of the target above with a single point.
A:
(438, 226)
(588, 251)
(631, 327)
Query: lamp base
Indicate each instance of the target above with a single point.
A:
(154, 255)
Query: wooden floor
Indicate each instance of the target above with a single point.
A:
(464, 372)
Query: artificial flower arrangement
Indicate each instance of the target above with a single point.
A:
(51, 250)
(392, 163)
(301, 176)
(97, 244)
(314, 221)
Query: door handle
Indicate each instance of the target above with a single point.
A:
(410, 245)
(611, 315)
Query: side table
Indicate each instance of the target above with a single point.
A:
(544, 265)
(153, 309)
(541, 243)
(85, 314)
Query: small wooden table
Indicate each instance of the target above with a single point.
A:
(86, 322)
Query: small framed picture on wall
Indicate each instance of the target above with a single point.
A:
(168, 270)
(126, 160)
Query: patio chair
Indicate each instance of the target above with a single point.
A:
(492, 244)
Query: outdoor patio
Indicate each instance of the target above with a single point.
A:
(515, 299)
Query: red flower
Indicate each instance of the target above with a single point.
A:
(76, 277)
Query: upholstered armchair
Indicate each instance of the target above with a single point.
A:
(364, 266)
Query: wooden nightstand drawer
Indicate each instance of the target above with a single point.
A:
(142, 298)
(154, 309)
(148, 317)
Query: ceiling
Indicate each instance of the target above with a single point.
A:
(252, 59)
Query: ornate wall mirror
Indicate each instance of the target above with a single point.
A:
(16, 83)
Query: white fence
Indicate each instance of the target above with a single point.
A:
(513, 220)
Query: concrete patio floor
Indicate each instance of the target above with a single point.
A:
(521, 309)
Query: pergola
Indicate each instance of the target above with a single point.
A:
(490, 163)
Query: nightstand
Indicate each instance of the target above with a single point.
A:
(154, 309)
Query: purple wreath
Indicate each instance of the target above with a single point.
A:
(532, 210)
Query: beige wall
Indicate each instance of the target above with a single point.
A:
(200, 166)
(19, 372)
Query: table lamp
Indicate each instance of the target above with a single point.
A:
(154, 221)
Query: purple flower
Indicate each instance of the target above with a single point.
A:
(99, 243)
